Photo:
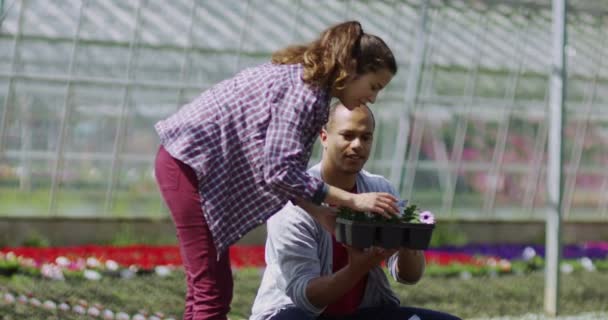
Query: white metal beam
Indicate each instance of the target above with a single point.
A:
(555, 160)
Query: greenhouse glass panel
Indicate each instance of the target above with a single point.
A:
(25, 179)
(55, 58)
(427, 190)
(95, 113)
(83, 183)
(136, 193)
(50, 19)
(6, 54)
(462, 127)
(161, 65)
(101, 61)
(109, 22)
(146, 106)
(34, 116)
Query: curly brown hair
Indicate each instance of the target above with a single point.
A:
(329, 60)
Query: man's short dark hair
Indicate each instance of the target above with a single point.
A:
(332, 113)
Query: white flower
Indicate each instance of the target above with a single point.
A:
(79, 309)
(107, 314)
(465, 275)
(528, 253)
(587, 264)
(9, 298)
(139, 317)
(49, 305)
(112, 265)
(91, 275)
(52, 272)
(492, 262)
(62, 262)
(93, 312)
(64, 306)
(504, 265)
(93, 263)
(162, 271)
(566, 268)
(122, 316)
(35, 302)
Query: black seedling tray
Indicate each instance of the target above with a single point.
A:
(364, 234)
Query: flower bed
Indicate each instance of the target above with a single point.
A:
(94, 262)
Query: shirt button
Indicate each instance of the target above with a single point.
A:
(240, 235)
(260, 221)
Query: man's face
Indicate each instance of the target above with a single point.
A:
(347, 141)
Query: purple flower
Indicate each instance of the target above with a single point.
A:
(427, 217)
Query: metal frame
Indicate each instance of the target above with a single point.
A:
(553, 234)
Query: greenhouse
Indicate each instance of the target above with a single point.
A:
(462, 128)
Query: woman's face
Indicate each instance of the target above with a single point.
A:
(363, 89)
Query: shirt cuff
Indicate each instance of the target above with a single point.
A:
(320, 194)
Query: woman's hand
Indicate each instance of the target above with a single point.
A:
(381, 203)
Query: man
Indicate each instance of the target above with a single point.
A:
(311, 276)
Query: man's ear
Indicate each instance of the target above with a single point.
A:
(323, 136)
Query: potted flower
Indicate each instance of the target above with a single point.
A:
(411, 229)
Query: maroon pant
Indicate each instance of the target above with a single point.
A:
(209, 279)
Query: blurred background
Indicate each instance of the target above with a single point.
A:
(462, 129)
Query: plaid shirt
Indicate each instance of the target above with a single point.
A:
(249, 140)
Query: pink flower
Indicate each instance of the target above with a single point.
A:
(427, 217)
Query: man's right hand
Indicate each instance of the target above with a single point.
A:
(364, 260)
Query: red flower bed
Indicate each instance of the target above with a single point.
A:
(148, 257)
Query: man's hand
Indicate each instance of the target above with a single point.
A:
(381, 203)
(410, 265)
(364, 260)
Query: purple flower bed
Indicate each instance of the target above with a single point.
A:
(592, 250)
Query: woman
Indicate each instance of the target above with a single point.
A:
(237, 153)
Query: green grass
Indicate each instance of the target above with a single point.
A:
(478, 297)
(81, 203)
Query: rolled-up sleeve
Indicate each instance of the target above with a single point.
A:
(295, 239)
(292, 130)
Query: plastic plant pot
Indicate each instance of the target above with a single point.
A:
(355, 233)
(364, 234)
(417, 235)
(389, 236)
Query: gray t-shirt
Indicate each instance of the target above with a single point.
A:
(299, 249)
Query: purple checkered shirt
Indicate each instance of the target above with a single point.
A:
(249, 140)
